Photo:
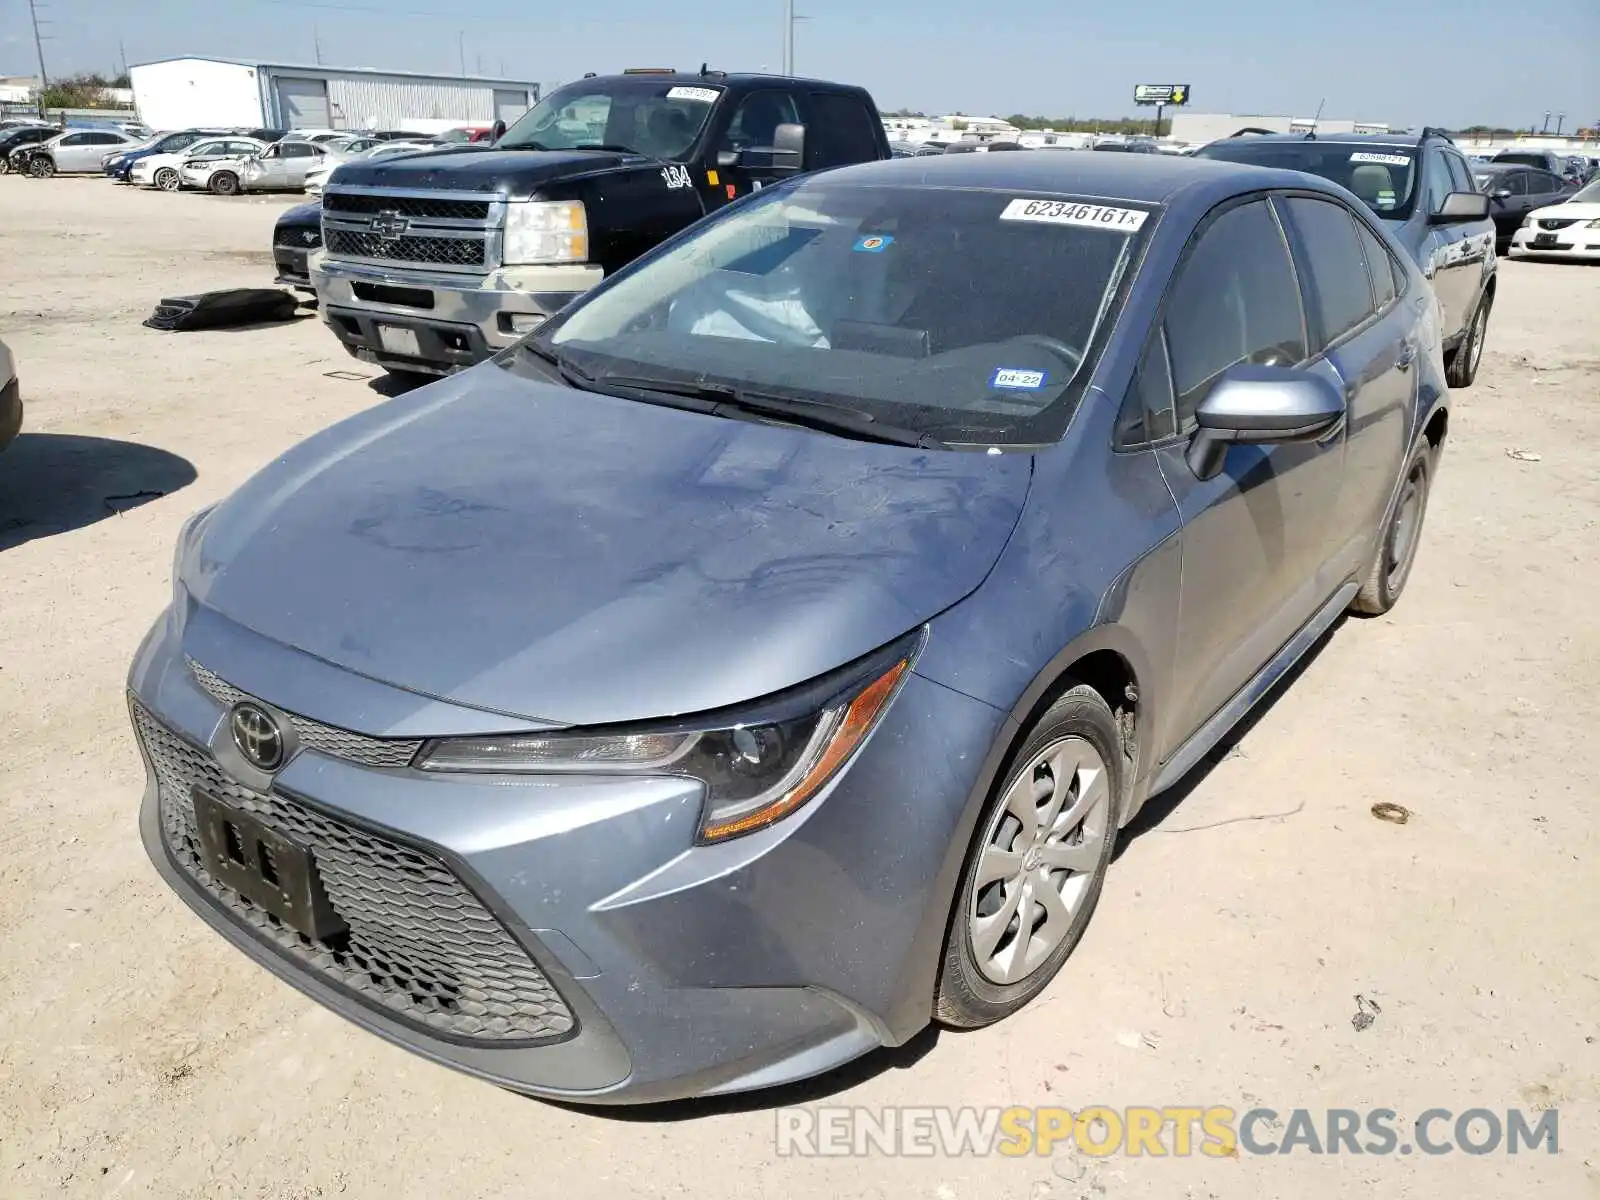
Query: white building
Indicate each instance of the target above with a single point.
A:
(178, 93)
(1199, 128)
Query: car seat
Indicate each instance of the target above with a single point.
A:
(1373, 184)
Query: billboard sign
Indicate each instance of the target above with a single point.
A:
(1161, 93)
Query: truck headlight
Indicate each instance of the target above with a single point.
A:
(758, 765)
(545, 231)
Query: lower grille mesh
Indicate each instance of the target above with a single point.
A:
(419, 944)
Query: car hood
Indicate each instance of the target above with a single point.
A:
(580, 559)
(309, 215)
(473, 168)
(1579, 211)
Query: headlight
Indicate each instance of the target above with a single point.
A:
(545, 231)
(1594, 224)
(757, 767)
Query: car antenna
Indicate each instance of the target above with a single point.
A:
(1311, 134)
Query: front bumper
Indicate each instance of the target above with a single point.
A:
(680, 970)
(458, 320)
(1575, 242)
(293, 270)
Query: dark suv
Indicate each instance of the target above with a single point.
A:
(1420, 185)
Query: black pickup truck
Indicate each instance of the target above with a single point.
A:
(432, 262)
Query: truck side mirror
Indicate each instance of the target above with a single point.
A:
(784, 157)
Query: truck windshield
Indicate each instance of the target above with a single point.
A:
(659, 117)
(1384, 176)
(961, 314)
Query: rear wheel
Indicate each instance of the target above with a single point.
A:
(41, 166)
(1398, 542)
(1035, 873)
(225, 183)
(167, 180)
(1462, 368)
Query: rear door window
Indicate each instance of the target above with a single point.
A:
(1235, 301)
(1334, 276)
(841, 131)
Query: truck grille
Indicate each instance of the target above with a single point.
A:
(406, 206)
(419, 945)
(431, 251)
(429, 230)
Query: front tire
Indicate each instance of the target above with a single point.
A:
(41, 166)
(225, 183)
(1035, 872)
(167, 180)
(1462, 368)
(1399, 539)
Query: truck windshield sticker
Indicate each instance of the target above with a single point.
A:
(1017, 379)
(676, 177)
(1388, 160)
(1068, 212)
(875, 244)
(697, 94)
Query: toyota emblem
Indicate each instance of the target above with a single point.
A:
(257, 736)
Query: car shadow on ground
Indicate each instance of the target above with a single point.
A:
(389, 385)
(52, 483)
(1153, 816)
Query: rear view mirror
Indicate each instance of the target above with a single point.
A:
(1254, 404)
(1461, 206)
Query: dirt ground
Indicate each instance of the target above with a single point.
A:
(140, 1056)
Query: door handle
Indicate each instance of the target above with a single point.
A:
(1408, 355)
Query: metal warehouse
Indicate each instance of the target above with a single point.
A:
(177, 93)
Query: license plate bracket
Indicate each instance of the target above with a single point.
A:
(397, 339)
(1544, 239)
(272, 871)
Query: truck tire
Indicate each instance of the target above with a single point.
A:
(224, 183)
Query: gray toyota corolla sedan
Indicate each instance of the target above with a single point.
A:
(757, 663)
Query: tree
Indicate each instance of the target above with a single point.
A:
(84, 90)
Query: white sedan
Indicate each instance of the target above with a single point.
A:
(1569, 230)
(164, 171)
(319, 175)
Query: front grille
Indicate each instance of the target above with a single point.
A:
(314, 735)
(301, 237)
(419, 945)
(407, 206)
(434, 251)
(1556, 222)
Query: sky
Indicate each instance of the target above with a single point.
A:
(1407, 62)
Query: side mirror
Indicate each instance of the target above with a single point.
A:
(1461, 206)
(1252, 405)
(1502, 195)
(784, 157)
(497, 131)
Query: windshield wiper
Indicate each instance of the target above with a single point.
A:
(725, 400)
(615, 147)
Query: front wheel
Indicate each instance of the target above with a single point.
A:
(5, 164)
(167, 180)
(225, 183)
(1400, 537)
(1034, 875)
(41, 166)
(1462, 368)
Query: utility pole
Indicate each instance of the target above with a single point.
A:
(461, 49)
(316, 44)
(789, 37)
(1560, 118)
(1546, 127)
(38, 45)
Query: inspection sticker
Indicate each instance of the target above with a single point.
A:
(1069, 212)
(1388, 160)
(698, 95)
(877, 243)
(1019, 380)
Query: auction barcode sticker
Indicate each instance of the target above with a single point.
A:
(1388, 160)
(697, 94)
(1070, 212)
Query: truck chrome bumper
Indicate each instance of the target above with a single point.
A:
(454, 320)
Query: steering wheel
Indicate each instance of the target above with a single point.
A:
(1073, 358)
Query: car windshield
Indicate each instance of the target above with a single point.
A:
(1382, 176)
(961, 314)
(1589, 194)
(655, 116)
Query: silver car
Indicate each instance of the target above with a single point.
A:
(78, 151)
(283, 166)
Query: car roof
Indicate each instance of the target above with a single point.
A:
(733, 79)
(1141, 178)
(1410, 140)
